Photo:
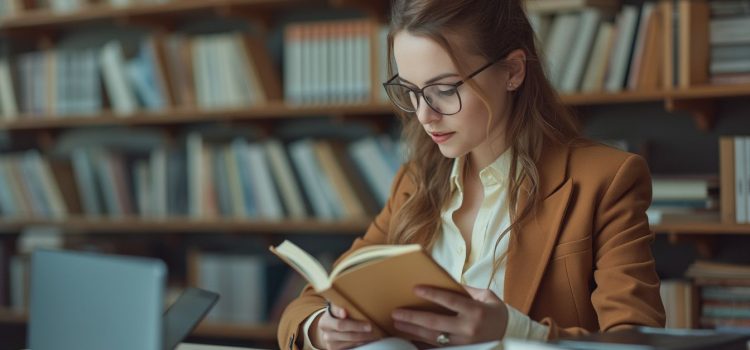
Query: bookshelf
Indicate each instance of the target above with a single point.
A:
(699, 99)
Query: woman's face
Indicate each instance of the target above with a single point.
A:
(422, 61)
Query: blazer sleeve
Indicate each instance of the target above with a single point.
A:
(627, 286)
(308, 302)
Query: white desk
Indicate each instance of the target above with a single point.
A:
(188, 346)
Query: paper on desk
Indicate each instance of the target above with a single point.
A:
(401, 344)
(186, 346)
(517, 344)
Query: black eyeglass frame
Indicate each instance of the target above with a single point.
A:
(420, 92)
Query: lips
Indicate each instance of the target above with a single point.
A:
(440, 137)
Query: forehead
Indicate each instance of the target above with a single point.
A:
(420, 58)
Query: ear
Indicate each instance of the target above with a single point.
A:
(516, 69)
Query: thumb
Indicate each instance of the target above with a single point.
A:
(339, 312)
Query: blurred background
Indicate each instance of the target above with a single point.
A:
(202, 131)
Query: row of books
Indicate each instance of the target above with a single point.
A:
(734, 162)
(335, 179)
(332, 62)
(227, 70)
(323, 179)
(589, 51)
(16, 7)
(730, 41)
(329, 62)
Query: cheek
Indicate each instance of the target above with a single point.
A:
(473, 116)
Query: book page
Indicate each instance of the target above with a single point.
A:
(370, 253)
(304, 263)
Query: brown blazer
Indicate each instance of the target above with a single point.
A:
(582, 264)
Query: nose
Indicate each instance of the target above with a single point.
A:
(425, 113)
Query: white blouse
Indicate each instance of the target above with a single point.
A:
(492, 219)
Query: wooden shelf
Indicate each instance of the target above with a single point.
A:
(344, 227)
(269, 112)
(710, 92)
(552, 6)
(599, 98)
(701, 228)
(80, 225)
(45, 19)
(259, 332)
(8, 316)
(279, 110)
(694, 93)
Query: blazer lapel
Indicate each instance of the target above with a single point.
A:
(531, 243)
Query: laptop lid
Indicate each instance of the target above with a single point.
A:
(89, 301)
(185, 313)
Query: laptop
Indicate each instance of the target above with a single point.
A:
(91, 301)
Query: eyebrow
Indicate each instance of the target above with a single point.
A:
(441, 76)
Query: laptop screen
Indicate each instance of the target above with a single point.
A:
(185, 313)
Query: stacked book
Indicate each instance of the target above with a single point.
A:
(680, 198)
(725, 294)
(730, 42)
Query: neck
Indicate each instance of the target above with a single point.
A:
(483, 156)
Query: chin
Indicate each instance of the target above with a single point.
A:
(451, 152)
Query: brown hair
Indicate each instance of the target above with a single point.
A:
(492, 29)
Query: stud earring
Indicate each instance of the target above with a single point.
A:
(511, 85)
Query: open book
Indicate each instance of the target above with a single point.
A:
(373, 281)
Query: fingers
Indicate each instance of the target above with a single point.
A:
(428, 320)
(328, 323)
(343, 333)
(348, 337)
(451, 300)
(428, 336)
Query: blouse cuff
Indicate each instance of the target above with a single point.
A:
(306, 329)
(520, 326)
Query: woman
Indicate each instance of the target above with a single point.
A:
(548, 232)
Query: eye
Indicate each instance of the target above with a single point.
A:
(447, 91)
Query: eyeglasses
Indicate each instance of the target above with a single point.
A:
(442, 98)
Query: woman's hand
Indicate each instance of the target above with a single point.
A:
(481, 318)
(340, 333)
